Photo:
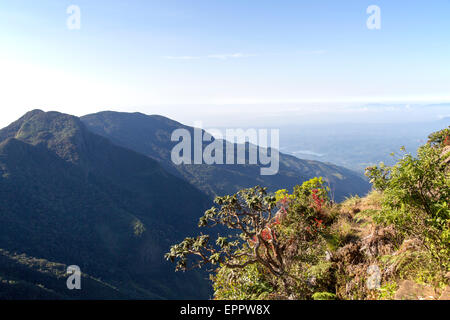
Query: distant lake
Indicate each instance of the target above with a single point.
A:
(308, 152)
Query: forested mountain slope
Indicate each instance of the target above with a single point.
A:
(71, 197)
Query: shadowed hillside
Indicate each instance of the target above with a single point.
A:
(68, 196)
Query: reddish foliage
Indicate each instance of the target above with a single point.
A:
(267, 234)
(319, 223)
(318, 201)
(284, 202)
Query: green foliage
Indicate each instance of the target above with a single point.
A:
(387, 291)
(249, 213)
(416, 193)
(283, 194)
(440, 138)
(304, 191)
(248, 283)
(265, 254)
(324, 296)
(340, 233)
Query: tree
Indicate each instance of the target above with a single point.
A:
(251, 212)
(265, 231)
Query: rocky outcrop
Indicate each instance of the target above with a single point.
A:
(410, 290)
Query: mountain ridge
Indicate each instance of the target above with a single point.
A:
(150, 135)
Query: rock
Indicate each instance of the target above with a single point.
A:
(410, 290)
(374, 279)
(445, 294)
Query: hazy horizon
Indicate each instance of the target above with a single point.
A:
(292, 61)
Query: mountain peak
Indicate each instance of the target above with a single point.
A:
(62, 133)
(32, 113)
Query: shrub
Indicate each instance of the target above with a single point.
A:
(416, 193)
(324, 296)
(275, 245)
(248, 283)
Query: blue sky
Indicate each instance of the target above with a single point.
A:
(208, 59)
